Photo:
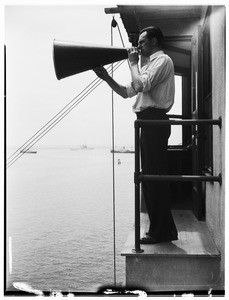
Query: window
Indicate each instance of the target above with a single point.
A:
(176, 131)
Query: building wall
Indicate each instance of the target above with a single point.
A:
(215, 194)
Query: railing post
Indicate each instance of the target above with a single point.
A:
(137, 248)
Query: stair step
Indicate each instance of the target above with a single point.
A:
(192, 262)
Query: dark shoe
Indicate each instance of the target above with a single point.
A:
(148, 240)
(172, 238)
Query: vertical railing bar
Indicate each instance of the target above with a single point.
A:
(137, 248)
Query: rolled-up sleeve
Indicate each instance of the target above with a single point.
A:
(130, 91)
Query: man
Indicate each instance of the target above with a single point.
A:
(155, 89)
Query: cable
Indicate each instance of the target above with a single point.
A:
(27, 147)
(46, 130)
(120, 35)
(49, 121)
(36, 137)
(113, 24)
(53, 117)
(121, 39)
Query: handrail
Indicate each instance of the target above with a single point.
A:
(198, 178)
(141, 123)
(139, 177)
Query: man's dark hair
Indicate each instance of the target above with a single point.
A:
(151, 32)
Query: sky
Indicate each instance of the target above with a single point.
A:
(35, 96)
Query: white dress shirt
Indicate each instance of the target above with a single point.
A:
(157, 76)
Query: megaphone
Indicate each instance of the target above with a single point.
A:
(71, 58)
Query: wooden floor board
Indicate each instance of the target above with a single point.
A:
(193, 238)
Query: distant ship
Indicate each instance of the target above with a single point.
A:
(29, 151)
(122, 150)
(83, 147)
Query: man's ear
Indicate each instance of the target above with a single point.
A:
(154, 41)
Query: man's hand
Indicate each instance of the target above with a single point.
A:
(137, 84)
(133, 55)
(101, 72)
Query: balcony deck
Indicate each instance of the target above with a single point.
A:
(194, 238)
(190, 263)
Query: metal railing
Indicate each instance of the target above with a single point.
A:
(139, 177)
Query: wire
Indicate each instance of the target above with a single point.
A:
(113, 24)
(49, 121)
(54, 117)
(49, 125)
(48, 128)
(120, 35)
(122, 40)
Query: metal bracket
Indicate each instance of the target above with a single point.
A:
(220, 122)
(137, 177)
(220, 178)
(137, 123)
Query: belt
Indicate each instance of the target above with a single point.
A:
(151, 112)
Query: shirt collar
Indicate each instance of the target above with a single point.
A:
(156, 54)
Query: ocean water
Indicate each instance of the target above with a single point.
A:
(59, 219)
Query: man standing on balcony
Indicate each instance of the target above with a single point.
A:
(155, 88)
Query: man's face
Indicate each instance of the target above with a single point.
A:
(145, 45)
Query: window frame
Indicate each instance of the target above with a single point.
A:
(207, 95)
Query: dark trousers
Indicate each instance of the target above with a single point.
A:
(154, 160)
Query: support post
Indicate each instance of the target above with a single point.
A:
(137, 248)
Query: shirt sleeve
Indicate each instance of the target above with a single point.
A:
(130, 90)
(156, 72)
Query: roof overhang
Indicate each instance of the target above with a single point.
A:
(178, 24)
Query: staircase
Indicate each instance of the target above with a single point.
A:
(188, 264)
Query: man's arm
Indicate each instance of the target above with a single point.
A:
(118, 88)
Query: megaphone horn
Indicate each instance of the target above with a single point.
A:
(71, 58)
